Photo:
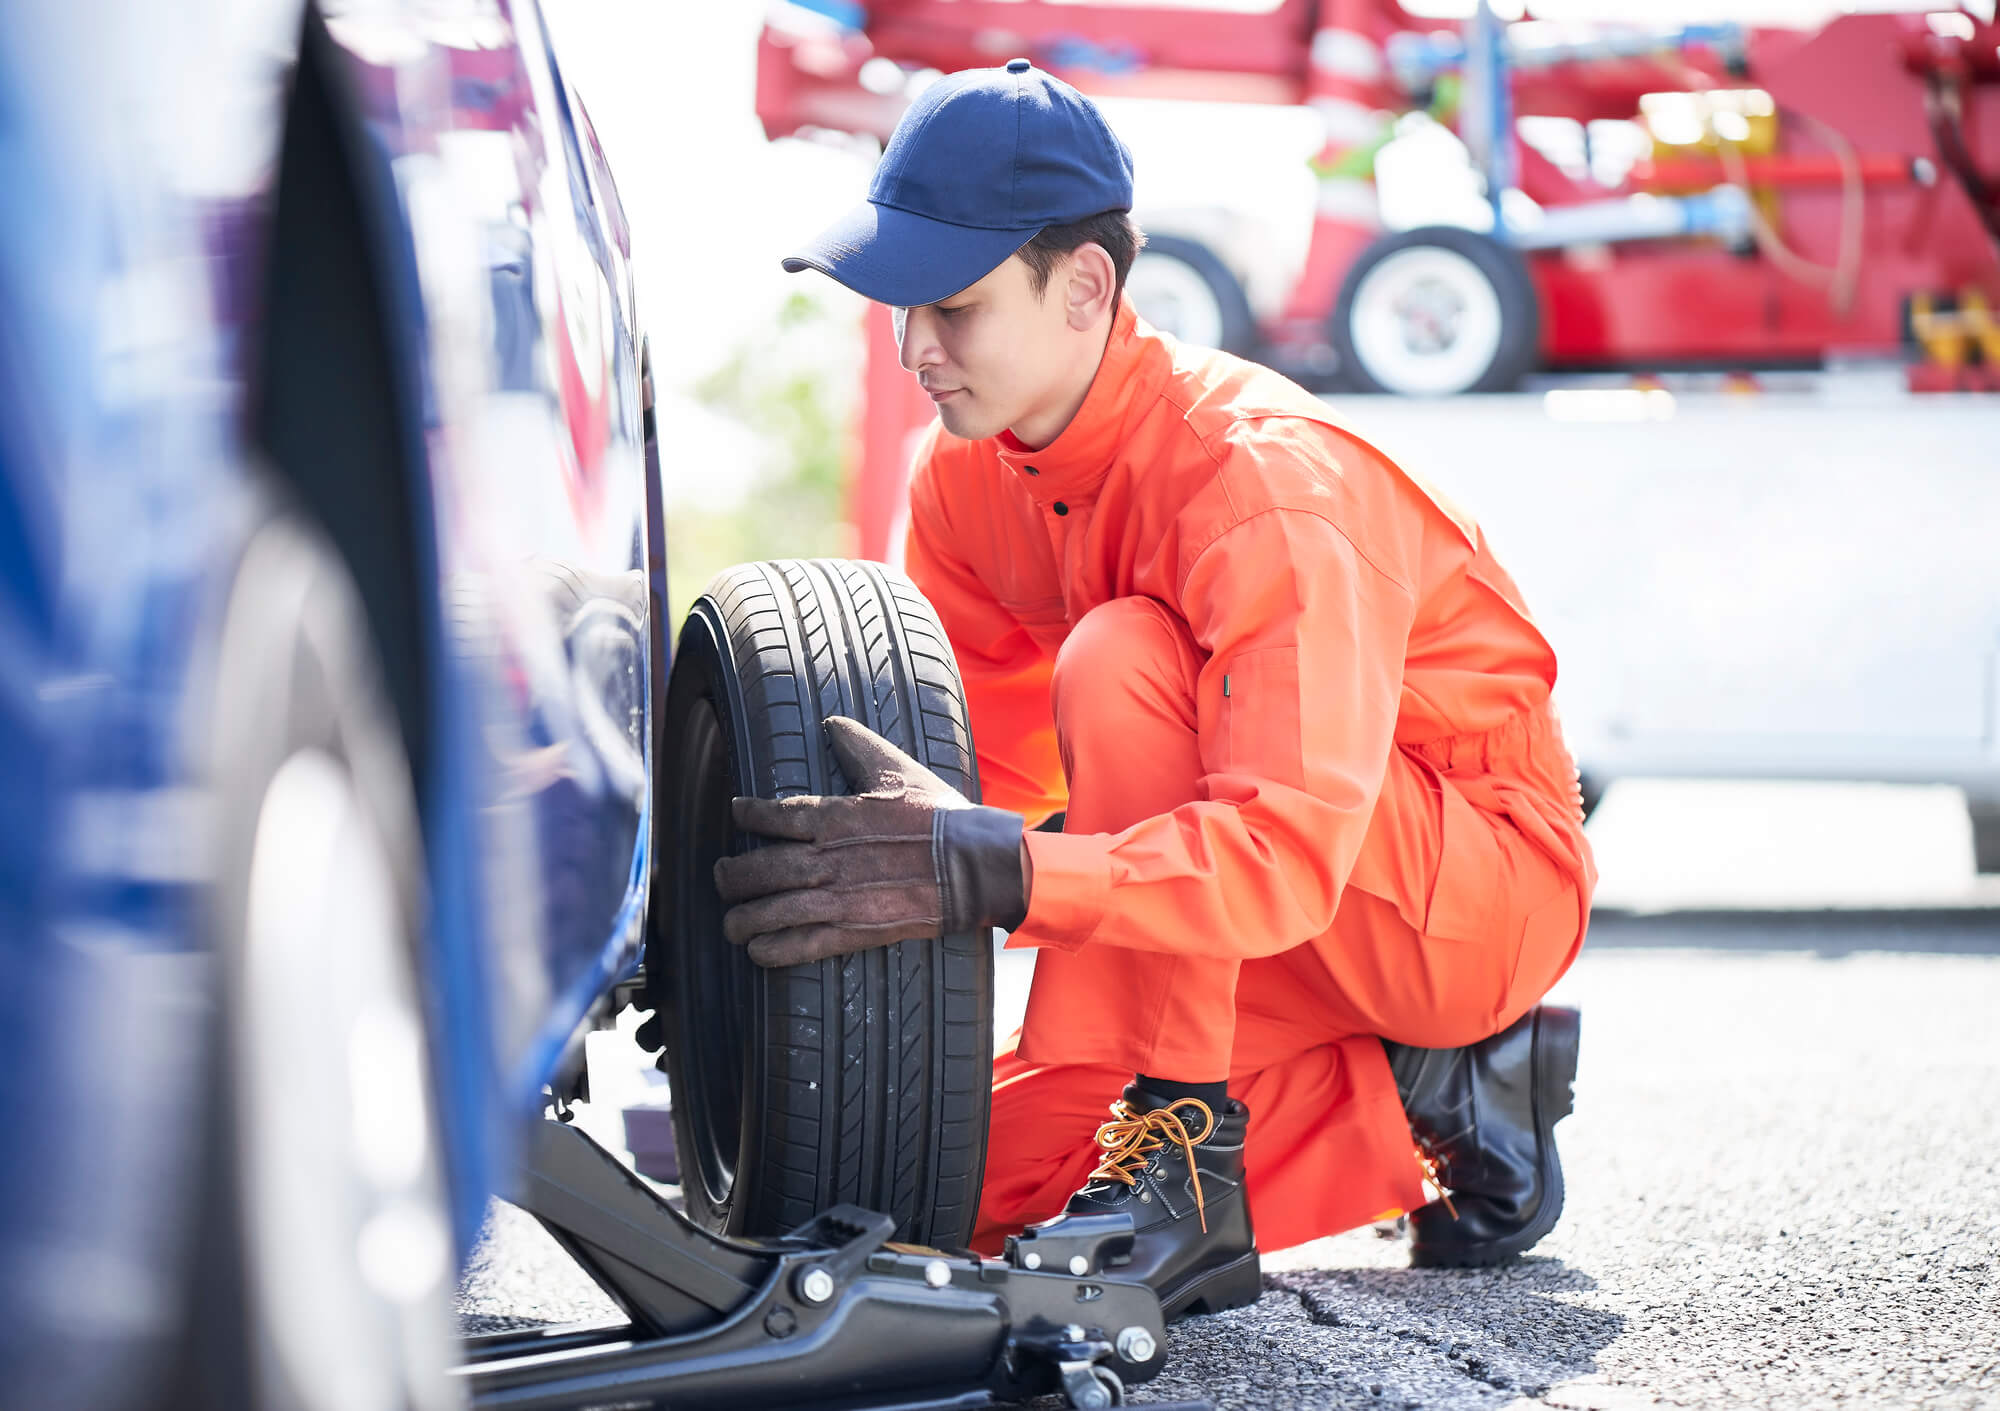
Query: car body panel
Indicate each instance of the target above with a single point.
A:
(140, 147)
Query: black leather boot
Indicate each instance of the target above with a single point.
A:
(1178, 1171)
(1485, 1115)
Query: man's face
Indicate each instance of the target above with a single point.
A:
(993, 356)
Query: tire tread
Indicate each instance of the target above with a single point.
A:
(878, 1087)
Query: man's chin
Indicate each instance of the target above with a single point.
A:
(963, 422)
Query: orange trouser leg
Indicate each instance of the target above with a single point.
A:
(1465, 905)
(1469, 897)
(1328, 1147)
(1124, 709)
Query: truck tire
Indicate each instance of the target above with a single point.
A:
(1985, 814)
(1590, 787)
(863, 1079)
(1435, 312)
(1182, 287)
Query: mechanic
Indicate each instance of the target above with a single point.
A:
(1322, 851)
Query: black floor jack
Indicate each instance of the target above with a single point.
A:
(832, 1317)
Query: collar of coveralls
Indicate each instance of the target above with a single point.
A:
(1071, 467)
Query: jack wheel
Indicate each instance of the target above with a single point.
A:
(1090, 1387)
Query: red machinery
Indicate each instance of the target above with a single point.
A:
(1840, 192)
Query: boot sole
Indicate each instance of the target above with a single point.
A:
(1233, 1285)
(1557, 1040)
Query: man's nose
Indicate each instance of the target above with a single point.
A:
(916, 348)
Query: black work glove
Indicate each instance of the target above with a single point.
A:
(904, 856)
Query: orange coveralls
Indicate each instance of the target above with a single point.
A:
(1316, 792)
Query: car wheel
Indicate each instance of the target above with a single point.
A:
(863, 1079)
(1181, 287)
(1435, 312)
(326, 1257)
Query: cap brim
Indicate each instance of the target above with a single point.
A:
(895, 257)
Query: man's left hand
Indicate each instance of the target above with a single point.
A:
(904, 856)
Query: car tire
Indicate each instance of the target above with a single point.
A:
(324, 1264)
(864, 1079)
(1181, 287)
(1436, 312)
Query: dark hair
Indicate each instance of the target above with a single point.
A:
(1113, 230)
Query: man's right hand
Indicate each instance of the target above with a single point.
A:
(905, 856)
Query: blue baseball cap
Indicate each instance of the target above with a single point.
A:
(983, 161)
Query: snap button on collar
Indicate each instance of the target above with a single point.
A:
(1061, 508)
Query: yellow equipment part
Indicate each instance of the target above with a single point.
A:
(1975, 317)
(1938, 332)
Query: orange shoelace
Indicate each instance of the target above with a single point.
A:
(1433, 1180)
(1130, 1138)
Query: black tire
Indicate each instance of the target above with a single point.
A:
(1591, 787)
(1513, 352)
(1238, 326)
(865, 1079)
(323, 1205)
(1985, 833)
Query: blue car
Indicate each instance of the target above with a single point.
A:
(349, 769)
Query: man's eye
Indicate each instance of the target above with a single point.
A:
(953, 311)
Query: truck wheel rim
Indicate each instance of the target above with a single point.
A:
(1426, 321)
(1171, 295)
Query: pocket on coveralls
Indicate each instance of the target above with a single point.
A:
(1261, 706)
(1465, 900)
(1553, 928)
(1550, 939)
(1471, 938)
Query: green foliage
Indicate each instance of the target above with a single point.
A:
(795, 384)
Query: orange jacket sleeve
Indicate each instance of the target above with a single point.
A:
(1006, 674)
(1296, 710)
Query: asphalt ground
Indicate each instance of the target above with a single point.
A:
(1781, 1168)
(1779, 1171)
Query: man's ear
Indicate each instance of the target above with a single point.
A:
(1092, 287)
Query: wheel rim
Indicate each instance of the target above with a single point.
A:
(1426, 321)
(1172, 296)
(349, 1247)
(716, 981)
